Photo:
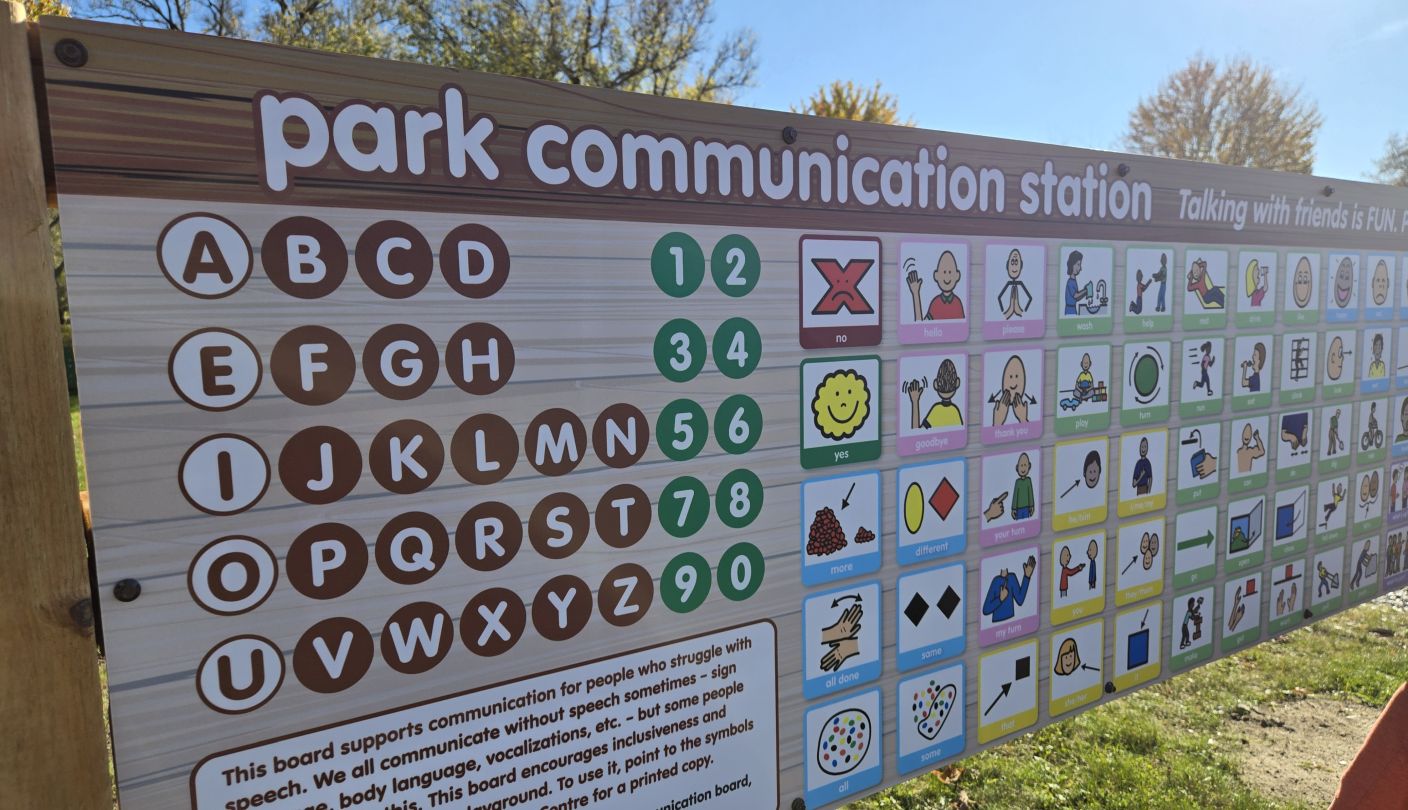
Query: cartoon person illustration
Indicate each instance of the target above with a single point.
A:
(1378, 369)
(1067, 657)
(1092, 469)
(1295, 431)
(945, 305)
(1364, 564)
(1252, 448)
(1023, 497)
(1148, 549)
(1393, 488)
(1210, 296)
(1091, 552)
(1205, 362)
(1368, 491)
(1136, 306)
(1327, 582)
(1344, 282)
(1012, 400)
(1143, 479)
(1067, 570)
(943, 414)
(1334, 358)
(1251, 369)
(1336, 444)
(1378, 284)
(1006, 593)
(1302, 283)
(1192, 625)
(1337, 494)
(1014, 289)
(1161, 276)
(1074, 293)
(1372, 436)
(1403, 420)
(1258, 282)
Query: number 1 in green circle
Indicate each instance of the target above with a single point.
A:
(677, 263)
(737, 347)
(684, 506)
(739, 498)
(738, 423)
(684, 584)
(679, 350)
(740, 571)
(735, 265)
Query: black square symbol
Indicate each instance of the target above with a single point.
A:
(948, 603)
(1024, 667)
(916, 609)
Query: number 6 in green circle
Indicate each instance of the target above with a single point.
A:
(684, 584)
(737, 424)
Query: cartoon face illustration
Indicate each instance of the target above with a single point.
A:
(1378, 284)
(841, 404)
(1092, 550)
(1024, 466)
(1067, 658)
(1014, 378)
(1334, 359)
(1344, 282)
(1302, 285)
(946, 273)
(1014, 264)
(1092, 469)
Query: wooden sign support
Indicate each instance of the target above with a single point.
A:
(53, 751)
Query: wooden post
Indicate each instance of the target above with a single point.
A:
(53, 750)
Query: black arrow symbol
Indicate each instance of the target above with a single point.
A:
(1132, 561)
(1143, 620)
(1006, 687)
(838, 600)
(846, 501)
(1089, 667)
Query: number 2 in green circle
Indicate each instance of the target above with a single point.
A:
(735, 266)
(684, 584)
(737, 424)
(740, 571)
(680, 350)
(737, 347)
(677, 263)
(684, 506)
(681, 429)
(739, 498)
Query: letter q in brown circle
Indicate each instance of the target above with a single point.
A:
(320, 465)
(412, 548)
(394, 260)
(400, 362)
(417, 637)
(562, 607)
(333, 655)
(312, 365)
(493, 622)
(304, 257)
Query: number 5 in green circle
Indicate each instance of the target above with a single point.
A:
(737, 347)
(677, 263)
(684, 584)
(740, 571)
(680, 350)
(737, 424)
(681, 429)
(684, 506)
(735, 266)
(739, 498)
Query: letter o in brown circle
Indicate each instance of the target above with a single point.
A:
(625, 594)
(356, 656)
(609, 435)
(430, 454)
(484, 341)
(419, 660)
(405, 253)
(286, 365)
(484, 449)
(468, 543)
(542, 442)
(424, 562)
(469, 272)
(400, 361)
(488, 617)
(556, 624)
(301, 465)
(326, 561)
(636, 515)
(568, 514)
(331, 253)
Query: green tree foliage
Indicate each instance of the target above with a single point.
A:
(1236, 114)
(36, 8)
(1392, 168)
(854, 103)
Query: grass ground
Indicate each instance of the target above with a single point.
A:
(77, 441)
(1175, 744)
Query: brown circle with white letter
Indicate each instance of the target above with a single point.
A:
(326, 561)
(479, 358)
(493, 622)
(558, 525)
(304, 257)
(474, 261)
(412, 548)
(484, 449)
(340, 661)
(417, 637)
(625, 594)
(562, 607)
(320, 464)
(623, 515)
(406, 456)
(500, 541)
(393, 259)
(329, 370)
(400, 362)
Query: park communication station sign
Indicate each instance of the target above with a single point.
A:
(480, 442)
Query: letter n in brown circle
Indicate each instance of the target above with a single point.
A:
(620, 435)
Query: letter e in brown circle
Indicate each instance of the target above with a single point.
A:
(411, 548)
(326, 561)
(622, 515)
(406, 456)
(333, 654)
(393, 259)
(562, 607)
(484, 449)
(312, 365)
(304, 257)
(400, 362)
(558, 525)
(625, 594)
(474, 261)
(489, 536)
(320, 464)
(417, 637)
(620, 435)
(479, 358)
(493, 622)
(555, 441)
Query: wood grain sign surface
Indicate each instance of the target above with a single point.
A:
(484, 442)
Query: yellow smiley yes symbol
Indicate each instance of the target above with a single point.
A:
(841, 404)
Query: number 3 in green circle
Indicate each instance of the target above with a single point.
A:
(684, 584)
(684, 506)
(677, 263)
(739, 498)
(740, 571)
(680, 350)
(737, 424)
(737, 347)
(735, 266)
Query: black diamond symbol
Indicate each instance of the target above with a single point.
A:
(948, 603)
(916, 609)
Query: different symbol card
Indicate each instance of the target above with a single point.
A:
(1326, 581)
(1332, 508)
(1010, 497)
(1138, 644)
(1014, 291)
(1077, 673)
(932, 400)
(1010, 589)
(1148, 304)
(931, 710)
(844, 747)
(1079, 483)
(1246, 529)
(1087, 290)
(1256, 274)
(1342, 288)
(1007, 690)
(1195, 544)
(932, 510)
(1198, 471)
(931, 612)
(1241, 612)
(841, 534)
(1082, 388)
(1190, 636)
(933, 285)
(839, 291)
(1013, 396)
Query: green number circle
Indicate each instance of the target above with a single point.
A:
(680, 350)
(677, 263)
(735, 266)
(739, 498)
(684, 584)
(741, 571)
(684, 506)
(681, 429)
(737, 347)
(737, 424)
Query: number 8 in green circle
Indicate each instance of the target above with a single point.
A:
(739, 498)
(684, 584)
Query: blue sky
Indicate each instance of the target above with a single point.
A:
(1070, 72)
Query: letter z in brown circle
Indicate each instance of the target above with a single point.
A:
(625, 594)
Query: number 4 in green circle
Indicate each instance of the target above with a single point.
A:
(737, 347)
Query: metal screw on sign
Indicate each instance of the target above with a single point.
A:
(1122, 169)
(71, 52)
(1109, 687)
(798, 803)
(789, 135)
(126, 590)
(1307, 614)
(1327, 190)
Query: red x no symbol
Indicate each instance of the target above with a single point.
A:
(842, 282)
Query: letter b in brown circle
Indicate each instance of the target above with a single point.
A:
(493, 621)
(304, 257)
(320, 465)
(417, 637)
(312, 365)
(333, 655)
(406, 456)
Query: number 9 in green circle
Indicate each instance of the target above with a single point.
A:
(737, 347)
(740, 571)
(735, 266)
(684, 584)
(679, 350)
(677, 263)
(684, 506)
(737, 424)
(739, 498)
(681, 429)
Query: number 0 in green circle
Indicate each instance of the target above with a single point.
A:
(740, 571)
(684, 584)
(684, 506)
(737, 424)
(739, 498)
(737, 347)
(681, 429)
(735, 265)
(677, 263)
(680, 350)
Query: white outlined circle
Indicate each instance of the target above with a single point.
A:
(232, 575)
(240, 674)
(215, 369)
(223, 261)
(224, 474)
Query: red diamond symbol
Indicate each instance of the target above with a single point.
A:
(943, 500)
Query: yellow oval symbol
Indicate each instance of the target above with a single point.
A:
(913, 507)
